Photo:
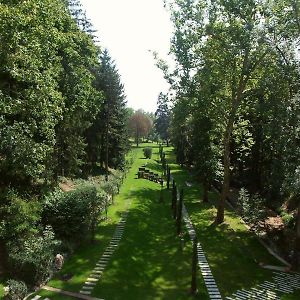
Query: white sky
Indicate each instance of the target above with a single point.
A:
(129, 29)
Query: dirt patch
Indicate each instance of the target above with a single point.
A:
(67, 185)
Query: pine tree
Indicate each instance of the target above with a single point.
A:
(162, 114)
(107, 139)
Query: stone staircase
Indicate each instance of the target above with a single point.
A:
(283, 283)
(97, 272)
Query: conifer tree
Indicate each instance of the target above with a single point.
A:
(162, 120)
(107, 139)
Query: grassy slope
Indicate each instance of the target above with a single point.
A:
(149, 263)
(233, 252)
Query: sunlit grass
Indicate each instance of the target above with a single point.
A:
(233, 252)
(149, 263)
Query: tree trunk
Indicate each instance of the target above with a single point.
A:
(296, 258)
(226, 159)
(137, 137)
(194, 268)
(205, 191)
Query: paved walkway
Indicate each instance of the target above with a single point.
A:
(283, 283)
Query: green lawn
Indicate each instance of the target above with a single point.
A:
(149, 263)
(1, 290)
(294, 296)
(232, 251)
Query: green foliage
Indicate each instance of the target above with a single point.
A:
(288, 219)
(17, 290)
(237, 76)
(252, 207)
(147, 152)
(20, 217)
(73, 214)
(32, 259)
(162, 117)
(107, 136)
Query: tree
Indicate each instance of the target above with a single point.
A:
(107, 139)
(139, 125)
(221, 49)
(162, 117)
(30, 105)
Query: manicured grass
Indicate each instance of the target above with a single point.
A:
(233, 252)
(294, 296)
(83, 261)
(149, 263)
(1, 290)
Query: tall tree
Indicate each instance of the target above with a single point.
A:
(107, 137)
(30, 102)
(162, 120)
(227, 43)
(139, 125)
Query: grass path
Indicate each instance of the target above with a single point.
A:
(149, 263)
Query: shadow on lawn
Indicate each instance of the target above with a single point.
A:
(149, 263)
(233, 252)
(83, 260)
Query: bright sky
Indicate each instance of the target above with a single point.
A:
(129, 29)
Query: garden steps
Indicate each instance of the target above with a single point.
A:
(283, 283)
(97, 272)
(210, 283)
(37, 297)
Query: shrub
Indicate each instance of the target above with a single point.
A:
(17, 290)
(72, 214)
(288, 219)
(251, 206)
(31, 259)
(148, 152)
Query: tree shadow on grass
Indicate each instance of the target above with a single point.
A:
(149, 263)
(82, 262)
(233, 252)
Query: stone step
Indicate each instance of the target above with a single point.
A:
(87, 288)
(89, 283)
(85, 292)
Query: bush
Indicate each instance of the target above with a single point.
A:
(32, 259)
(148, 152)
(251, 206)
(72, 214)
(17, 290)
(288, 219)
